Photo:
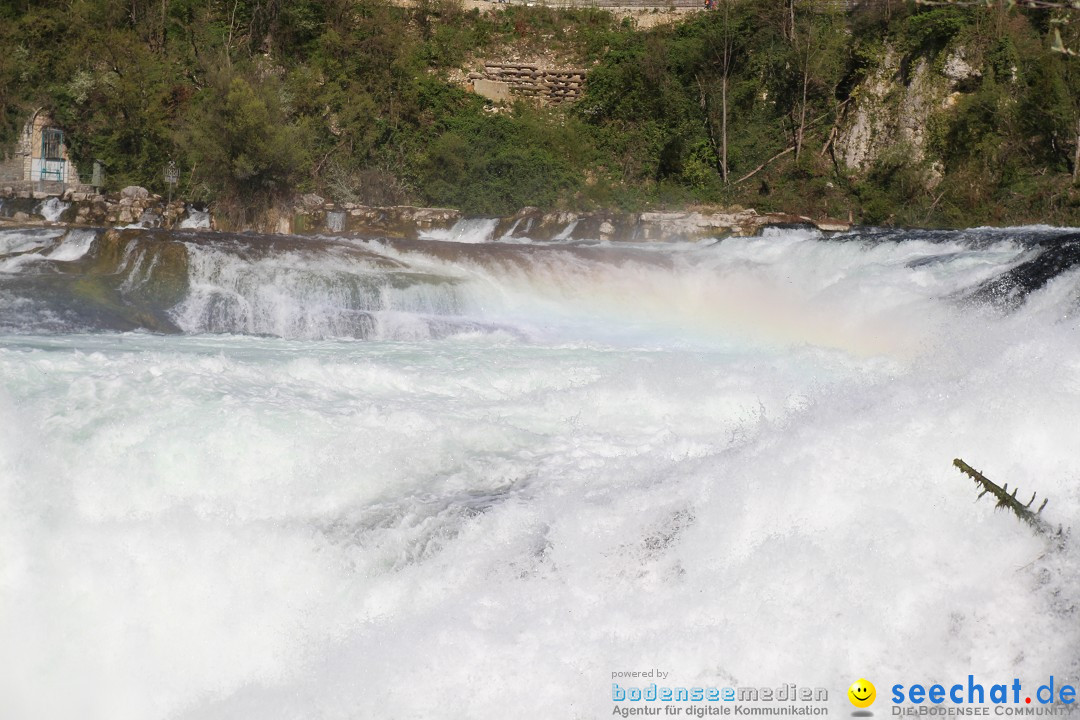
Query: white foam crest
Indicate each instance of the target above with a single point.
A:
(75, 245)
(784, 287)
(195, 219)
(508, 236)
(52, 208)
(466, 230)
(567, 231)
(23, 240)
(300, 295)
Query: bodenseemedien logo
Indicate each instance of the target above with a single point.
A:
(788, 699)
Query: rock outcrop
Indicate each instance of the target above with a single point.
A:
(892, 108)
(311, 214)
(685, 225)
(890, 112)
(132, 205)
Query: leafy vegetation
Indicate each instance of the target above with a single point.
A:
(361, 101)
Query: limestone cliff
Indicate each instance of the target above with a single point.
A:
(893, 107)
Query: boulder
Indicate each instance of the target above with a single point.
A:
(958, 69)
(134, 191)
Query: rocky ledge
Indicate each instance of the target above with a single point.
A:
(311, 214)
(132, 205)
(315, 215)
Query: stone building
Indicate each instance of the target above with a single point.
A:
(39, 156)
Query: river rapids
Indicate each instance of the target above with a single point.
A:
(272, 477)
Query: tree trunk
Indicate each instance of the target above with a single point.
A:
(723, 129)
(728, 40)
(801, 130)
(232, 29)
(703, 101)
(1076, 154)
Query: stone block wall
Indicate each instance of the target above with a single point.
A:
(11, 168)
(524, 80)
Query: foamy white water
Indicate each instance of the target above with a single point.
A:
(195, 219)
(75, 245)
(528, 467)
(466, 230)
(53, 208)
(17, 241)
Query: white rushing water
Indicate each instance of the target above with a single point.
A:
(195, 219)
(466, 230)
(729, 461)
(53, 208)
(75, 245)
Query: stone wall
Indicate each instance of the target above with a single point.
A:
(547, 85)
(493, 90)
(11, 168)
(85, 207)
(42, 190)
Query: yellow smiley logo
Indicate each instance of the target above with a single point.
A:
(862, 693)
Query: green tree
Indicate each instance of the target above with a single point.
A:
(241, 141)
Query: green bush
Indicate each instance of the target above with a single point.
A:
(932, 29)
(241, 142)
(492, 164)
